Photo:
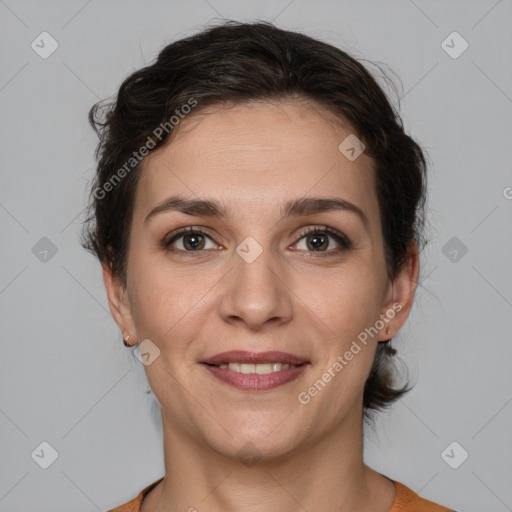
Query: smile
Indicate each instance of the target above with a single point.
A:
(259, 369)
(251, 371)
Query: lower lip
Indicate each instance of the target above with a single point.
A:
(253, 381)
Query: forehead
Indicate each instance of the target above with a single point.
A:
(258, 155)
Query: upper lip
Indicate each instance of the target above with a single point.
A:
(242, 356)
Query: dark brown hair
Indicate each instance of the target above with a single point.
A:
(241, 62)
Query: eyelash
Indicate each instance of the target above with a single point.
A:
(344, 242)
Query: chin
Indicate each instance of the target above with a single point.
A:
(262, 436)
(251, 449)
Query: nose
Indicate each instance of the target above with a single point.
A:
(255, 294)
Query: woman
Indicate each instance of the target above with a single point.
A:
(258, 214)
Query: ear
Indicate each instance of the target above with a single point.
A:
(402, 291)
(119, 303)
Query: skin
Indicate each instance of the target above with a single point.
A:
(195, 304)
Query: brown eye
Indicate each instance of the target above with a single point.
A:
(323, 240)
(317, 242)
(190, 240)
(193, 242)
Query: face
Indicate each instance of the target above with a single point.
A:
(277, 263)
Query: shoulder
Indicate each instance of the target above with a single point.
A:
(406, 500)
(135, 504)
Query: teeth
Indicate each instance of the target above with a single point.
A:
(260, 369)
(263, 369)
(247, 368)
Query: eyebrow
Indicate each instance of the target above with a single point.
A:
(296, 207)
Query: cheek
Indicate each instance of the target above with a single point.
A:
(345, 300)
(349, 307)
(344, 308)
(167, 302)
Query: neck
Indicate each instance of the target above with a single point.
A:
(329, 474)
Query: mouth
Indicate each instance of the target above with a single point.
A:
(254, 371)
(259, 368)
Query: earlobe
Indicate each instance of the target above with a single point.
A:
(118, 302)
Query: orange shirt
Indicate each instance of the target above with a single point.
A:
(406, 500)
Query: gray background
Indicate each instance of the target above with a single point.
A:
(65, 377)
